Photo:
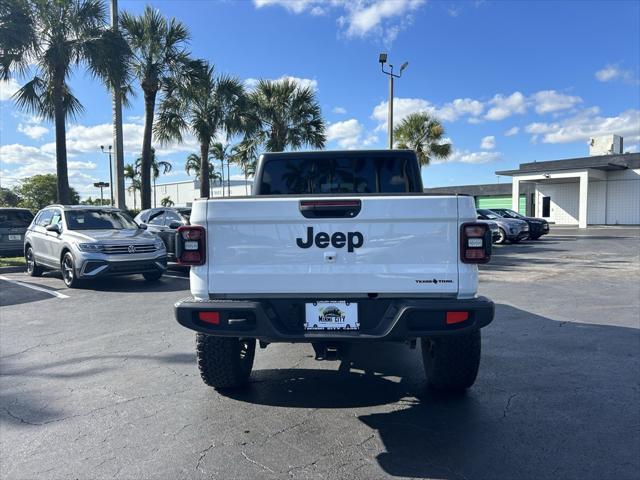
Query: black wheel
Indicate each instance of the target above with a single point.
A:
(502, 239)
(33, 270)
(451, 362)
(152, 276)
(68, 268)
(225, 362)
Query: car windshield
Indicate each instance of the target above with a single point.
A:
(489, 214)
(15, 218)
(510, 214)
(98, 220)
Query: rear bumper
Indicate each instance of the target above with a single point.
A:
(282, 320)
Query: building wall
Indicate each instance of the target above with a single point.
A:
(615, 201)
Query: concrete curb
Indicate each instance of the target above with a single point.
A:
(20, 268)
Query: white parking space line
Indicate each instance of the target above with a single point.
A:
(175, 276)
(33, 287)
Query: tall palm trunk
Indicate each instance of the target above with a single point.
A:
(61, 145)
(222, 177)
(205, 191)
(145, 164)
(228, 177)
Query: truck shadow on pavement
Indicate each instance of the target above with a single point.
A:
(553, 400)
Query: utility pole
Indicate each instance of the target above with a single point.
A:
(383, 59)
(118, 191)
(110, 171)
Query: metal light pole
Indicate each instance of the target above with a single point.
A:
(110, 171)
(117, 129)
(383, 59)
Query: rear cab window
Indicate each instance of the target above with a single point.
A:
(331, 175)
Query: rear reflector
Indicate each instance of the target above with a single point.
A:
(210, 317)
(457, 317)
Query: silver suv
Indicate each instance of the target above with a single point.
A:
(85, 242)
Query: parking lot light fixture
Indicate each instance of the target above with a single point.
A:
(383, 59)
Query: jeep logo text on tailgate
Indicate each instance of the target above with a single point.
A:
(352, 240)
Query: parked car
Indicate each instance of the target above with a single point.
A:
(86, 242)
(495, 229)
(13, 225)
(164, 222)
(334, 248)
(537, 226)
(510, 229)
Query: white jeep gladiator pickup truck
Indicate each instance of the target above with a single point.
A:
(335, 247)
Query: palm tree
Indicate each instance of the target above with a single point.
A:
(206, 106)
(167, 202)
(220, 152)
(158, 54)
(131, 173)
(245, 156)
(424, 134)
(284, 115)
(156, 166)
(194, 163)
(55, 37)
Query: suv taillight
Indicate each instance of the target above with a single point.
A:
(475, 243)
(191, 245)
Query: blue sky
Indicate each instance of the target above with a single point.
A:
(511, 81)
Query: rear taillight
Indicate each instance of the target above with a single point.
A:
(191, 245)
(475, 243)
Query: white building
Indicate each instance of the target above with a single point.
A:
(185, 192)
(596, 190)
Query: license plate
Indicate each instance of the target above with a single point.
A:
(15, 237)
(331, 315)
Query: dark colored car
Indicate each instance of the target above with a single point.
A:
(510, 229)
(13, 225)
(164, 222)
(537, 226)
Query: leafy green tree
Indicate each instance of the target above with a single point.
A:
(38, 191)
(167, 202)
(194, 163)
(423, 134)
(8, 198)
(57, 36)
(284, 115)
(157, 167)
(206, 106)
(159, 54)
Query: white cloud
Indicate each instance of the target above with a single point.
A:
(512, 131)
(454, 12)
(8, 88)
(339, 110)
(488, 142)
(547, 101)
(614, 72)
(448, 112)
(586, 124)
(465, 156)
(346, 134)
(251, 83)
(383, 19)
(33, 130)
(503, 107)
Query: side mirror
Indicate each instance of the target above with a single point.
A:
(175, 224)
(142, 226)
(57, 228)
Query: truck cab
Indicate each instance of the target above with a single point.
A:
(336, 247)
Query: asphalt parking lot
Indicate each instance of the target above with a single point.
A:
(101, 382)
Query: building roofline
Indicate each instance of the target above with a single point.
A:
(600, 162)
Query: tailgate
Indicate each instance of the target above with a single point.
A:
(265, 246)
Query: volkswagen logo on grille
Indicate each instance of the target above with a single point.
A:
(132, 249)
